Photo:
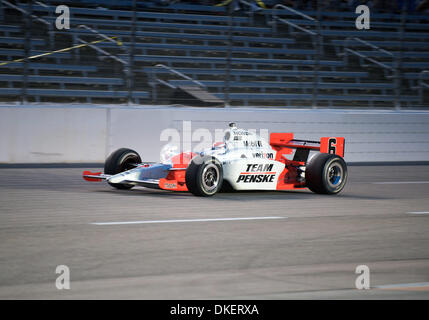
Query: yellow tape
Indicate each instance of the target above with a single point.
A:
(119, 43)
(259, 2)
(223, 3)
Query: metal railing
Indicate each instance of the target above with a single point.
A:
(291, 25)
(386, 68)
(251, 12)
(104, 52)
(423, 85)
(362, 57)
(154, 80)
(127, 70)
(317, 40)
(77, 39)
(83, 26)
(51, 31)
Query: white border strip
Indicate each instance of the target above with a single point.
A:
(419, 212)
(402, 182)
(182, 220)
(404, 285)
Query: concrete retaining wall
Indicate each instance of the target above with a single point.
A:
(87, 133)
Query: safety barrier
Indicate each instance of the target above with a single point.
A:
(88, 133)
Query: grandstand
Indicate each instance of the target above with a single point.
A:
(200, 55)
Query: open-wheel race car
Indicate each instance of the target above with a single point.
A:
(242, 161)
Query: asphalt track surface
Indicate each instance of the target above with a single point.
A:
(310, 252)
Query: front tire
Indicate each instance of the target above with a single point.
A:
(326, 174)
(119, 161)
(204, 176)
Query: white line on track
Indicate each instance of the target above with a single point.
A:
(404, 285)
(402, 182)
(419, 212)
(183, 220)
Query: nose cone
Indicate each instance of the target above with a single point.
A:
(124, 176)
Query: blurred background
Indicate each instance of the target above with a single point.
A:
(264, 53)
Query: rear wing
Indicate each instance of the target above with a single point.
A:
(334, 145)
(284, 142)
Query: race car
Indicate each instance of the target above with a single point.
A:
(242, 161)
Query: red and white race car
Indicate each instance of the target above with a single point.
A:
(243, 161)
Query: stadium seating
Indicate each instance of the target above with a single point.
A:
(296, 99)
(63, 80)
(81, 70)
(277, 74)
(14, 53)
(8, 30)
(13, 40)
(244, 61)
(86, 94)
(153, 25)
(271, 63)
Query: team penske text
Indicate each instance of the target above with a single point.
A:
(257, 173)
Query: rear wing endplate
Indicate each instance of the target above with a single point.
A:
(333, 145)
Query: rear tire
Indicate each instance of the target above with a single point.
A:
(204, 176)
(119, 161)
(326, 173)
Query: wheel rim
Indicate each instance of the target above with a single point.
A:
(128, 163)
(335, 175)
(210, 178)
